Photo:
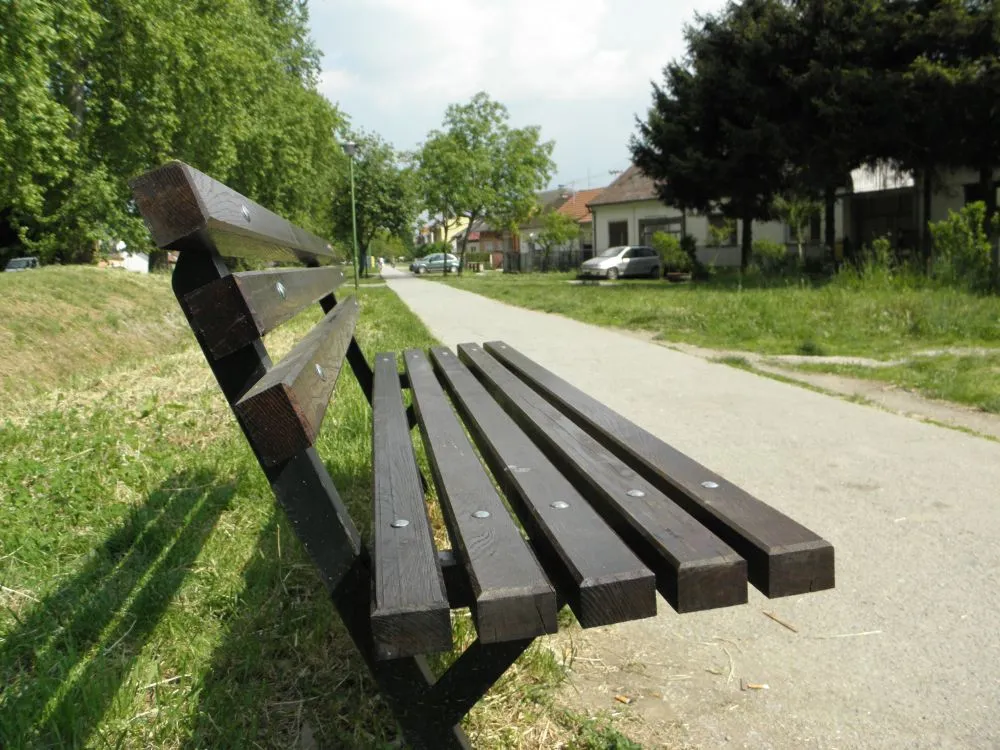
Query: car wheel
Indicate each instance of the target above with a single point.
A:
(612, 274)
(654, 272)
(421, 270)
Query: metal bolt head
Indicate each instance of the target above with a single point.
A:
(319, 371)
(636, 493)
(245, 211)
(481, 514)
(710, 485)
(280, 289)
(400, 523)
(560, 505)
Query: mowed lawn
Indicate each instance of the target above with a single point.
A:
(152, 594)
(845, 316)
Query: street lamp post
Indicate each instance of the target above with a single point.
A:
(351, 148)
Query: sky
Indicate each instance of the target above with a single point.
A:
(579, 69)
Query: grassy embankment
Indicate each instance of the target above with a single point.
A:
(152, 595)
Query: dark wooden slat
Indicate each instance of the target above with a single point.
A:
(695, 570)
(410, 612)
(233, 311)
(301, 485)
(784, 558)
(513, 599)
(177, 201)
(601, 579)
(283, 412)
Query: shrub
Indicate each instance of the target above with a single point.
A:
(769, 255)
(962, 247)
(673, 256)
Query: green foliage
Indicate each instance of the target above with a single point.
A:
(557, 230)
(385, 196)
(797, 211)
(721, 235)
(477, 165)
(97, 91)
(962, 247)
(770, 255)
(671, 253)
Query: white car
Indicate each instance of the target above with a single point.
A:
(625, 260)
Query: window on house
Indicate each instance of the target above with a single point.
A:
(617, 233)
(813, 233)
(649, 227)
(719, 223)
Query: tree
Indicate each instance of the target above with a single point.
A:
(557, 230)
(478, 166)
(386, 201)
(713, 138)
(97, 91)
(797, 211)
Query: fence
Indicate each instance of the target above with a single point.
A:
(539, 262)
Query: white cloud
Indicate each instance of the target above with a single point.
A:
(394, 65)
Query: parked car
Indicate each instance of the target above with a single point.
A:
(435, 262)
(21, 264)
(625, 260)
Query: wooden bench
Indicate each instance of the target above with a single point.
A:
(604, 514)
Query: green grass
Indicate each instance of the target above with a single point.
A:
(794, 316)
(60, 324)
(152, 594)
(973, 380)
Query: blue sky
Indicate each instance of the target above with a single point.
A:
(581, 69)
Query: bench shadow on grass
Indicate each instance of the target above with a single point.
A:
(286, 673)
(61, 668)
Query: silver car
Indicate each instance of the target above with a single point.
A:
(625, 260)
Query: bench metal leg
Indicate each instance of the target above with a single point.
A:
(427, 710)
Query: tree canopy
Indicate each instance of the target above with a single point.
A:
(95, 92)
(478, 166)
(385, 195)
(786, 97)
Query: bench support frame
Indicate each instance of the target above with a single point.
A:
(428, 709)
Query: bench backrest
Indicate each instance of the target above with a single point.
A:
(280, 407)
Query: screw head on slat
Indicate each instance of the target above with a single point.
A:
(560, 505)
(710, 485)
(245, 211)
(319, 371)
(400, 523)
(636, 493)
(481, 514)
(280, 289)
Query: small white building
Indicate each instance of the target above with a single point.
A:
(629, 212)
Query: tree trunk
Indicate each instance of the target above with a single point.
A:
(925, 218)
(990, 198)
(746, 253)
(465, 242)
(830, 222)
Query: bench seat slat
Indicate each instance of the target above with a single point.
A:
(283, 411)
(695, 570)
(784, 558)
(410, 611)
(601, 578)
(512, 597)
(233, 311)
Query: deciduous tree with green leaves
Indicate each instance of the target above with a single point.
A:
(385, 193)
(557, 230)
(478, 166)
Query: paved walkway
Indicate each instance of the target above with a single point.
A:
(903, 654)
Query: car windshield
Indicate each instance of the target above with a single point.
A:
(611, 252)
